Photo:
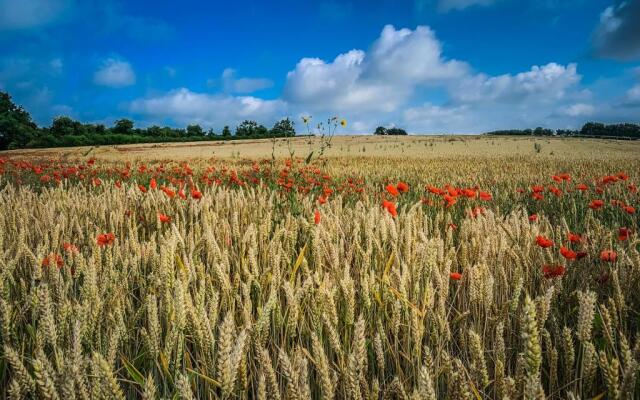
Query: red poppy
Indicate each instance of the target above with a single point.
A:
(392, 190)
(170, 193)
(580, 255)
(105, 239)
(533, 217)
(142, 188)
(450, 200)
(623, 234)
(96, 182)
(596, 204)
(165, 219)
(553, 271)
(390, 207)
(69, 247)
(608, 256)
(582, 187)
(456, 276)
(629, 209)
(196, 194)
(153, 184)
(453, 227)
(402, 187)
(181, 194)
(568, 253)
(574, 237)
(118, 184)
(486, 196)
(543, 241)
(322, 199)
(56, 258)
(316, 217)
(434, 190)
(537, 196)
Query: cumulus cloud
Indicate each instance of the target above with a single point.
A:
(448, 5)
(578, 110)
(381, 79)
(184, 107)
(545, 83)
(232, 84)
(26, 14)
(617, 35)
(114, 73)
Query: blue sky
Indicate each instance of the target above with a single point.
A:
(429, 66)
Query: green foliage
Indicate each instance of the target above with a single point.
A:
(226, 132)
(390, 131)
(16, 126)
(250, 128)
(283, 128)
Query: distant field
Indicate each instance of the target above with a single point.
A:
(367, 146)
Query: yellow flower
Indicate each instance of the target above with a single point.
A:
(343, 122)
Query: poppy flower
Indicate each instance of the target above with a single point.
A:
(390, 207)
(153, 184)
(450, 200)
(105, 239)
(533, 217)
(322, 199)
(582, 187)
(70, 248)
(537, 189)
(453, 227)
(142, 188)
(165, 219)
(608, 256)
(96, 182)
(543, 242)
(392, 190)
(568, 253)
(486, 196)
(629, 210)
(623, 234)
(181, 194)
(456, 276)
(434, 190)
(580, 255)
(170, 193)
(574, 237)
(537, 196)
(56, 258)
(402, 187)
(596, 204)
(118, 184)
(316, 217)
(553, 271)
(196, 194)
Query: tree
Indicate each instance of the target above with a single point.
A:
(380, 131)
(194, 130)
(64, 126)
(283, 128)
(123, 126)
(396, 132)
(226, 132)
(16, 126)
(246, 128)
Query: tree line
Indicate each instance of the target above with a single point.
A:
(18, 130)
(590, 129)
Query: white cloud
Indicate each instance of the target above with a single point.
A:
(26, 14)
(184, 107)
(381, 79)
(617, 35)
(543, 83)
(448, 5)
(579, 109)
(114, 73)
(231, 84)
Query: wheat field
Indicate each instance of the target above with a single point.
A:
(423, 268)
